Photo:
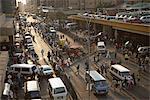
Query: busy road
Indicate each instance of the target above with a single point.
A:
(72, 64)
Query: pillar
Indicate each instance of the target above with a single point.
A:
(107, 30)
(116, 34)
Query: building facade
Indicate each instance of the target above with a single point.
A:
(77, 4)
(6, 24)
(8, 6)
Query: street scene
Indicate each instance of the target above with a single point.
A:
(75, 50)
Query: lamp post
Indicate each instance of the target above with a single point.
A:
(89, 47)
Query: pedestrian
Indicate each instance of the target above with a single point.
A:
(87, 66)
(98, 57)
(94, 59)
(42, 52)
(133, 76)
(138, 78)
(126, 56)
(78, 69)
(125, 82)
(19, 79)
(98, 70)
(102, 68)
(33, 38)
(105, 68)
(11, 94)
(48, 55)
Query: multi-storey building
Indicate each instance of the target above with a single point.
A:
(77, 4)
(6, 39)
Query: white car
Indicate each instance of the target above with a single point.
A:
(145, 19)
(47, 70)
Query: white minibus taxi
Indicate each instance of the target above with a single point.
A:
(98, 82)
(32, 90)
(26, 69)
(57, 89)
(119, 72)
(101, 47)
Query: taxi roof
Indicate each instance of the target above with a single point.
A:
(56, 82)
(96, 76)
(120, 68)
(23, 65)
(100, 43)
(32, 85)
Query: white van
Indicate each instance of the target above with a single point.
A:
(6, 89)
(145, 19)
(32, 90)
(144, 50)
(27, 69)
(99, 83)
(57, 89)
(119, 72)
(101, 47)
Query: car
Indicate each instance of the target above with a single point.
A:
(97, 16)
(27, 34)
(30, 46)
(101, 47)
(47, 70)
(110, 17)
(145, 19)
(145, 50)
(136, 20)
(85, 14)
(130, 18)
(121, 17)
(52, 30)
(32, 90)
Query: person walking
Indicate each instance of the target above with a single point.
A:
(42, 52)
(126, 56)
(78, 69)
(33, 37)
(125, 82)
(138, 78)
(133, 76)
(48, 55)
(102, 68)
(94, 59)
(98, 70)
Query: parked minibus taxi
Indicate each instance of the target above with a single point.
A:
(57, 89)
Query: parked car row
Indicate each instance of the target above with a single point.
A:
(124, 17)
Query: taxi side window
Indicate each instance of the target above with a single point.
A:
(17, 69)
(25, 69)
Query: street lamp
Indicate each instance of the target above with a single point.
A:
(89, 45)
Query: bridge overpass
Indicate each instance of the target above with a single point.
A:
(115, 24)
(138, 33)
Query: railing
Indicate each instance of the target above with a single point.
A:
(135, 27)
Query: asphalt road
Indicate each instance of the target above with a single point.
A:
(79, 82)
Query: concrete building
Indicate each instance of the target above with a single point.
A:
(28, 5)
(6, 26)
(31, 6)
(8, 6)
(76, 4)
(6, 39)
